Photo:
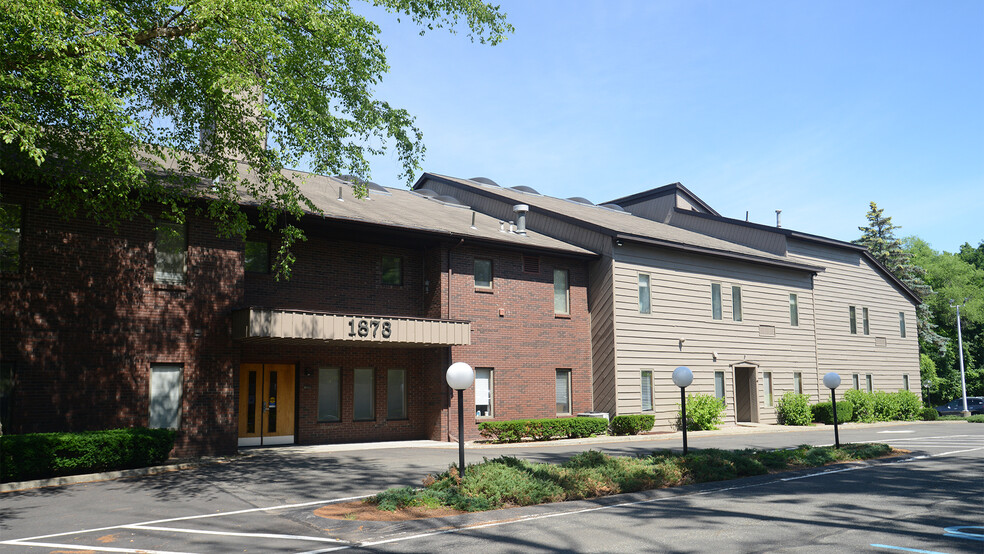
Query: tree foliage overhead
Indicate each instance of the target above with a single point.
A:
(109, 100)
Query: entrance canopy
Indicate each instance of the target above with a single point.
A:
(258, 324)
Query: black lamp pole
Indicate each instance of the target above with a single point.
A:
(461, 433)
(683, 403)
(833, 403)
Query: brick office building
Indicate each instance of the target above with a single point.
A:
(178, 328)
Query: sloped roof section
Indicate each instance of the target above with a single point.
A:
(665, 190)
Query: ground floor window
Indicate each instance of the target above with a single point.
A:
(363, 400)
(905, 382)
(867, 383)
(798, 382)
(563, 392)
(396, 394)
(329, 394)
(767, 385)
(165, 396)
(719, 386)
(856, 381)
(483, 392)
(647, 390)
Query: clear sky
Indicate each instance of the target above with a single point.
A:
(814, 108)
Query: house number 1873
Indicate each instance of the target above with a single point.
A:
(370, 327)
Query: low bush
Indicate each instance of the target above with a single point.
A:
(886, 406)
(864, 405)
(704, 413)
(632, 424)
(824, 412)
(979, 418)
(909, 405)
(542, 429)
(794, 409)
(928, 414)
(43, 455)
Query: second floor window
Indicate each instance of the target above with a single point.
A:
(257, 256)
(853, 314)
(716, 300)
(794, 317)
(864, 317)
(10, 238)
(170, 252)
(483, 274)
(562, 300)
(392, 267)
(902, 325)
(736, 303)
(644, 294)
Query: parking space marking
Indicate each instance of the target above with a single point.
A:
(75, 548)
(233, 534)
(906, 549)
(956, 532)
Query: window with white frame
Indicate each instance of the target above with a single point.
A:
(170, 253)
(719, 386)
(562, 296)
(902, 324)
(646, 390)
(396, 394)
(856, 381)
(484, 392)
(329, 394)
(736, 303)
(864, 317)
(363, 401)
(794, 317)
(483, 274)
(767, 386)
(798, 382)
(563, 392)
(165, 396)
(905, 382)
(716, 300)
(645, 295)
(853, 315)
(868, 385)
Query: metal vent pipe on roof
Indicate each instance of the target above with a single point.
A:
(778, 218)
(521, 210)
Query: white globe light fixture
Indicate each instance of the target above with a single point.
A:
(682, 377)
(460, 376)
(832, 381)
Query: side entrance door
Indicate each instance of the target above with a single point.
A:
(266, 404)
(746, 397)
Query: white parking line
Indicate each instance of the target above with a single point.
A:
(231, 534)
(75, 548)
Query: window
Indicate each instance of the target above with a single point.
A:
(867, 383)
(644, 295)
(392, 267)
(855, 380)
(902, 325)
(798, 382)
(719, 386)
(905, 382)
(646, 391)
(329, 394)
(7, 382)
(10, 238)
(484, 392)
(165, 396)
(794, 316)
(483, 274)
(563, 392)
(864, 317)
(562, 304)
(715, 300)
(396, 394)
(257, 258)
(736, 303)
(854, 319)
(364, 405)
(767, 385)
(170, 252)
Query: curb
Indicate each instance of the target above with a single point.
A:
(94, 477)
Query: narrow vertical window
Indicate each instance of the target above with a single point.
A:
(170, 252)
(794, 315)
(563, 392)
(798, 382)
(719, 386)
(484, 392)
(646, 390)
(715, 300)
(165, 396)
(483, 274)
(10, 238)
(392, 268)
(644, 294)
(736, 303)
(864, 317)
(855, 380)
(562, 304)
(853, 313)
(257, 256)
(902, 324)
(364, 395)
(767, 385)
(329, 394)
(867, 383)
(905, 382)
(396, 394)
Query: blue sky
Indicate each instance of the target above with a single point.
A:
(814, 108)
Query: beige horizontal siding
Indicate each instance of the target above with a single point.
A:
(601, 307)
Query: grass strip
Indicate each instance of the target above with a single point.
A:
(508, 481)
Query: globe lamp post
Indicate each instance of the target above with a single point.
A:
(832, 381)
(460, 376)
(682, 377)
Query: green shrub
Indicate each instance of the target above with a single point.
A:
(542, 429)
(864, 405)
(979, 418)
(909, 405)
(928, 414)
(823, 412)
(632, 424)
(704, 412)
(886, 406)
(794, 409)
(43, 455)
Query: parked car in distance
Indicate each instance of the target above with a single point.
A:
(975, 404)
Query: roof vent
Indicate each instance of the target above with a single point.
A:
(484, 181)
(778, 218)
(520, 210)
(614, 207)
(524, 188)
(427, 192)
(447, 199)
(581, 200)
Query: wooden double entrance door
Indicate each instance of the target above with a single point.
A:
(266, 404)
